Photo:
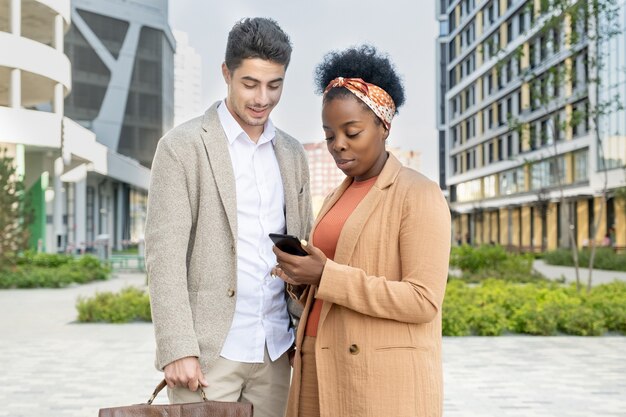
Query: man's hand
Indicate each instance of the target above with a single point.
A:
(185, 372)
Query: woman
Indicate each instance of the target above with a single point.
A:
(369, 342)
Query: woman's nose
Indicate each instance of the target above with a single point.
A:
(339, 144)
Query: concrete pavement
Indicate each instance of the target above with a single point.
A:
(53, 367)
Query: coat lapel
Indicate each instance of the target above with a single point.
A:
(216, 145)
(288, 174)
(355, 223)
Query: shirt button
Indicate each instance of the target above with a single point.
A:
(231, 292)
(354, 349)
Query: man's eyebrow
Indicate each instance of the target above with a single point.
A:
(249, 78)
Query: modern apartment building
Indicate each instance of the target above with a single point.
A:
(122, 53)
(82, 189)
(515, 131)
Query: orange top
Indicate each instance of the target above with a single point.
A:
(327, 233)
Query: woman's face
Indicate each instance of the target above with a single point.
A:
(354, 137)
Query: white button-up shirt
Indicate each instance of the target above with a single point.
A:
(260, 313)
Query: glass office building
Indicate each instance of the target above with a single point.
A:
(123, 73)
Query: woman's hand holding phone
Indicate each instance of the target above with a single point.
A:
(297, 269)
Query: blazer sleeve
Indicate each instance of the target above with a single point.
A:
(168, 226)
(416, 296)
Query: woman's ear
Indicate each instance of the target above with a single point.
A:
(385, 133)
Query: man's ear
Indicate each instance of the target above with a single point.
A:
(226, 73)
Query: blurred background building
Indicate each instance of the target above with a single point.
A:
(325, 175)
(501, 177)
(86, 90)
(187, 80)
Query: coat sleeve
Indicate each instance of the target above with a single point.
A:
(168, 226)
(416, 296)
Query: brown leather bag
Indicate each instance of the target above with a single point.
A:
(205, 408)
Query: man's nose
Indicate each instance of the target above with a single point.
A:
(262, 97)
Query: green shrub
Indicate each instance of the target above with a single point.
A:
(492, 261)
(51, 260)
(532, 318)
(605, 258)
(488, 320)
(455, 320)
(541, 308)
(52, 271)
(610, 300)
(130, 304)
(582, 321)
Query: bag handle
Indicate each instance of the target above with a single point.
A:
(163, 384)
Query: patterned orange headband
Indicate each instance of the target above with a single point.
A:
(375, 97)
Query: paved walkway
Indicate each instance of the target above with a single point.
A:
(53, 367)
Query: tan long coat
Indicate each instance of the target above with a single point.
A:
(378, 346)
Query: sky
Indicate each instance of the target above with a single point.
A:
(405, 29)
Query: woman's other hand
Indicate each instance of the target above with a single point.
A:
(300, 270)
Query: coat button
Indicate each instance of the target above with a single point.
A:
(233, 249)
(354, 349)
(231, 292)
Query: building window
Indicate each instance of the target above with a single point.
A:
(546, 173)
(489, 186)
(533, 136)
(580, 166)
(469, 191)
(509, 108)
(509, 146)
(509, 31)
(512, 181)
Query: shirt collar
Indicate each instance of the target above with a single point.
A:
(234, 130)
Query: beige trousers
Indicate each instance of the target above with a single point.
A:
(265, 385)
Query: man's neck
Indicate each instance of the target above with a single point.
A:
(253, 132)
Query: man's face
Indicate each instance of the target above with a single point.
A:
(254, 89)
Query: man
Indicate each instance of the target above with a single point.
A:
(220, 184)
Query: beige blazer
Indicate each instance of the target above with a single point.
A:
(378, 346)
(191, 234)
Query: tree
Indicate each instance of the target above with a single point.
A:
(558, 96)
(15, 215)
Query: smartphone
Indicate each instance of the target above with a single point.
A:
(288, 243)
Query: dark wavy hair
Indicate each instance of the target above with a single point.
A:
(257, 37)
(359, 62)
